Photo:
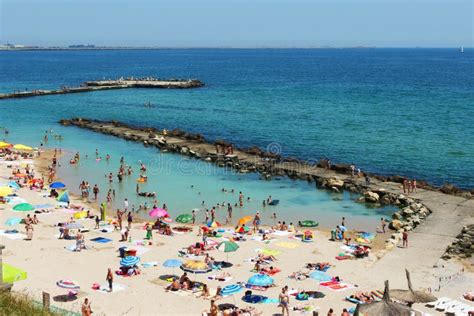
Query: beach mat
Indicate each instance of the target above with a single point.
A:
(101, 240)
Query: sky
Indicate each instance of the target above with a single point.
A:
(238, 23)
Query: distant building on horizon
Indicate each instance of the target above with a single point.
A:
(82, 46)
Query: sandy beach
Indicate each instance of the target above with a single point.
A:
(47, 260)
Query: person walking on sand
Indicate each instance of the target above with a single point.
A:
(405, 239)
(110, 279)
(284, 300)
(383, 224)
(86, 308)
(29, 231)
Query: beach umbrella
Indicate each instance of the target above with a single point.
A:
(12, 274)
(227, 246)
(195, 267)
(172, 263)
(384, 307)
(74, 226)
(158, 212)
(260, 280)
(231, 289)
(68, 284)
(22, 147)
(213, 224)
(184, 218)
(5, 145)
(57, 185)
(63, 197)
(410, 296)
(23, 207)
(14, 185)
(129, 261)
(244, 220)
(4, 191)
(12, 221)
(320, 276)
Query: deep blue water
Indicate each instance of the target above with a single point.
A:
(391, 111)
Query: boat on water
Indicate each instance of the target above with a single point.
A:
(462, 48)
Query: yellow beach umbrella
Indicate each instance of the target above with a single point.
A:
(4, 191)
(4, 145)
(245, 220)
(195, 266)
(22, 147)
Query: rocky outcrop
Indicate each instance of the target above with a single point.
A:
(463, 246)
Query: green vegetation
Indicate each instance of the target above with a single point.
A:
(13, 305)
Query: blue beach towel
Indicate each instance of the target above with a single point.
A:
(101, 240)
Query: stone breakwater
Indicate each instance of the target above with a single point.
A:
(412, 210)
(91, 86)
(463, 246)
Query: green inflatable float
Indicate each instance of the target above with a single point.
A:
(308, 223)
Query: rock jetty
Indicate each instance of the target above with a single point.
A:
(121, 83)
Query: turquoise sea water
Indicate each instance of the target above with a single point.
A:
(391, 111)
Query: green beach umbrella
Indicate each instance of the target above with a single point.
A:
(184, 218)
(227, 246)
(23, 207)
(12, 274)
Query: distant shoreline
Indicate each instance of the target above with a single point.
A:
(204, 47)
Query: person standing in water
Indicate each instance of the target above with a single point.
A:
(229, 210)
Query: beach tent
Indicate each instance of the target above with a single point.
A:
(384, 307)
(410, 296)
(63, 197)
(12, 274)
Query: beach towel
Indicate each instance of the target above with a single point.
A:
(289, 245)
(101, 240)
(12, 236)
(280, 233)
(213, 277)
(149, 264)
(116, 287)
(270, 252)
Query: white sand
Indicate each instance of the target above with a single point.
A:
(47, 261)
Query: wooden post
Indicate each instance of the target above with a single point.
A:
(3, 286)
(46, 301)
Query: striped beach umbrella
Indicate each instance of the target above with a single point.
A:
(129, 261)
(195, 267)
(23, 207)
(68, 284)
(227, 246)
(260, 280)
(231, 289)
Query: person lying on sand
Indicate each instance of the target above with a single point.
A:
(261, 256)
(174, 286)
(299, 275)
(320, 266)
(363, 297)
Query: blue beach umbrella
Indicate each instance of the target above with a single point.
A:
(172, 263)
(129, 261)
(231, 289)
(12, 221)
(57, 185)
(260, 280)
(320, 276)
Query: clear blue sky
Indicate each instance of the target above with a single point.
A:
(239, 23)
